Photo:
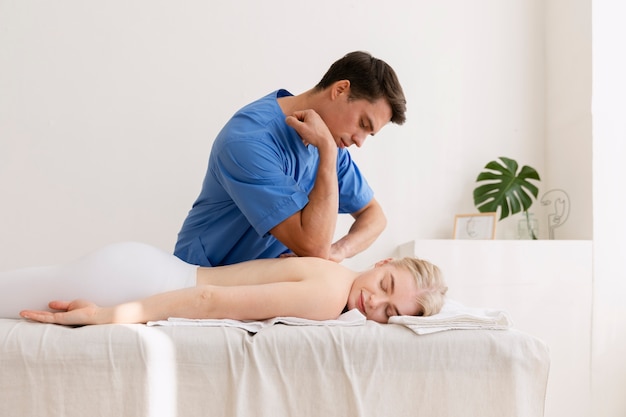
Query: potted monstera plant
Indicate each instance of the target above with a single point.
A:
(507, 189)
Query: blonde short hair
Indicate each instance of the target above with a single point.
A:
(429, 280)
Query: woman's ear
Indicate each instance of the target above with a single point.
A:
(383, 262)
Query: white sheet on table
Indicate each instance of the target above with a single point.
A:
(280, 371)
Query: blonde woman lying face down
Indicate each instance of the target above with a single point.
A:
(136, 283)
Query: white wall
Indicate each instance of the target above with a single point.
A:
(568, 111)
(609, 225)
(108, 109)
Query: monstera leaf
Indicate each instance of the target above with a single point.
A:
(505, 188)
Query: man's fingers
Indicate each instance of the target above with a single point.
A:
(292, 121)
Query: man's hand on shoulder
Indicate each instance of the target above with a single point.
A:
(311, 129)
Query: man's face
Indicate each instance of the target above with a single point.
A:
(351, 121)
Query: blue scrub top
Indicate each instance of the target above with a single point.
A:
(259, 174)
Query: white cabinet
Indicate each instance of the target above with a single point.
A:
(546, 286)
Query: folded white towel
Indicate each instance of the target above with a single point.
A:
(454, 315)
(350, 318)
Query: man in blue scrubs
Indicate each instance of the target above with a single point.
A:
(280, 172)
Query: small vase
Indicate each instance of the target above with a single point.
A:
(523, 229)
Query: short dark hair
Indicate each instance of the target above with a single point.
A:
(370, 79)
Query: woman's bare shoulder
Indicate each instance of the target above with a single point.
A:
(318, 265)
(264, 271)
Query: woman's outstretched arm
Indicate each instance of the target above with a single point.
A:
(180, 303)
(318, 299)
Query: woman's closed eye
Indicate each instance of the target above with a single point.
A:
(386, 285)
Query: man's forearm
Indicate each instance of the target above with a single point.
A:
(310, 231)
(319, 216)
(368, 225)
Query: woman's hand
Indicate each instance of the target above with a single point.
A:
(77, 312)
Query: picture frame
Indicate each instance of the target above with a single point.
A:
(476, 226)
